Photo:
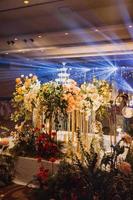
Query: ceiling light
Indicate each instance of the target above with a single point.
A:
(130, 26)
(66, 33)
(16, 39)
(30, 75)
(39, 36)
(96, 30)
(26, 2)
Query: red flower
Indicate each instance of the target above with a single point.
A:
(52, 159)
(43, 173)
(36, 129)
(41, 137)
(39, 159)
(53, 133)
(47, 145)
(54, 145)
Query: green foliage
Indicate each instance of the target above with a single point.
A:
(84, 179)
(32, 142)
(6, 169)
(52, 101)
(3, 131)
(101, 113)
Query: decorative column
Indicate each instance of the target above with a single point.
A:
(73, 125)
(93, 120)
(77, 128)
(69, 142)
(50, 125)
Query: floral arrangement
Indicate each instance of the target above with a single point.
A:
(51, 101)
(24, 141)
(35, 142)
(72, 96)
(35, 104)
(24, 98)
(94, 95)
(46, 145)
(89, 180)
(55, 99)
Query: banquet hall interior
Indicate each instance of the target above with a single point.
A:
(66, 99)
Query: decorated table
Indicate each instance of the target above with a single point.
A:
(62, 121)
(26, 168)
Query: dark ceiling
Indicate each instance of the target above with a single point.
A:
(84, 33)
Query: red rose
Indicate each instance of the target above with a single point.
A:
(43, 173)
(52, 159)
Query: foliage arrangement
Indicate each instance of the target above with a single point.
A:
(24, 98)
(94, 95)
(6, 169)
(4, 131)
(51, 102)
(35, 104)
(92, 178)
(54, 99)
(35, 142)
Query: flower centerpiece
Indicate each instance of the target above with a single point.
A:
(94, 95)
(72, 95)
(52, 103)
(24, 98)
(35, 142)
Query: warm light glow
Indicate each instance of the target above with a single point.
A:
(39, 36)
(119, 129)
(26, 2)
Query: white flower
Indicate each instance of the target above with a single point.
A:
(31, 97)
(95, 97)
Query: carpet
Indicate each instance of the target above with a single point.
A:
(14, 192)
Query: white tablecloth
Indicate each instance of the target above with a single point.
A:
(26, 168)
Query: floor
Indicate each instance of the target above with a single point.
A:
(14, 192)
